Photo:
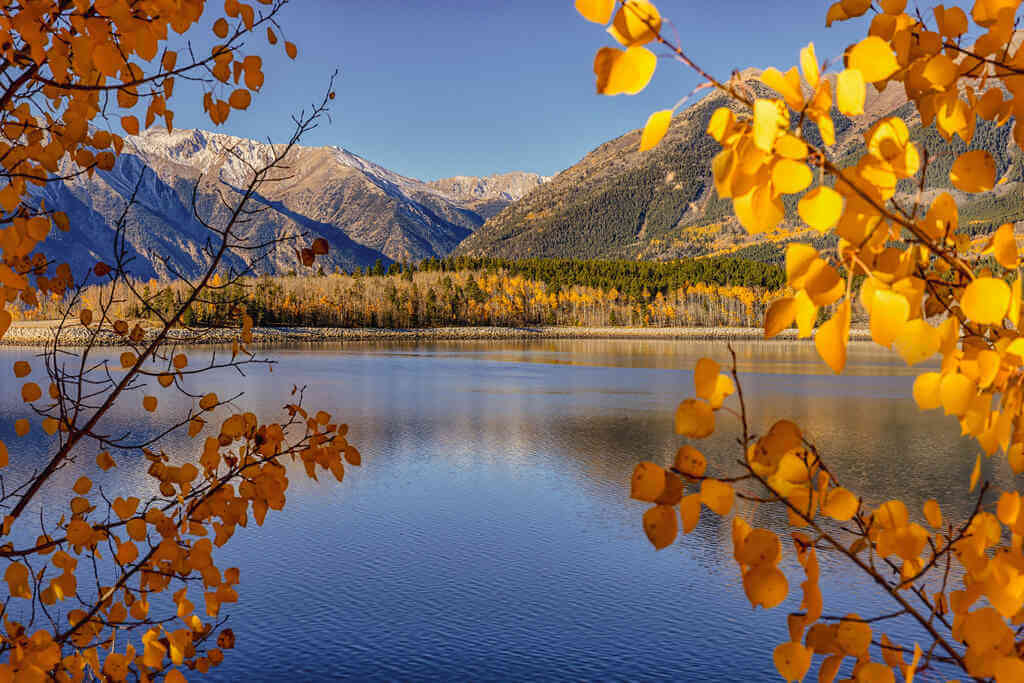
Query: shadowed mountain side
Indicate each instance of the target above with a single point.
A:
(364, 211)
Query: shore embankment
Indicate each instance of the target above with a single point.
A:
(40, 333)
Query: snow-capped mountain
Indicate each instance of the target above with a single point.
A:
(365, 211)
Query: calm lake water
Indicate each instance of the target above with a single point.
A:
(489, 534)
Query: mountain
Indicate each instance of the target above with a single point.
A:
(364, 211)
(618, 202)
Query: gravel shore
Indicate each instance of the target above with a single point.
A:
(41, 333)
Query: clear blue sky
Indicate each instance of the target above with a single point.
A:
(458, 87)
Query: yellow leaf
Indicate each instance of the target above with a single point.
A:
(597, 11)
(82, 486)
(806, 315)
(1008, 669)
(975, 473)
(220, 28)
(128, 359)
(209, 401)
(787, 85)
(724, 388)
(689, 511)
(717, 495)
(821, 208)
(986, 300)
(957, 391)
(21, 369)
(648, 482)
(766, 124)
(690, 461)
(1015, 301)
(927, 391)
(874, 58)
(695, 418)
(840, 505)
(765, 585)
(792, 660)
(125, 507)
(809, 65)
(832, 338)
(790, 146)
(621, 71)
(853, 635)
(291, 50)
(790, 177)
(104, 461)
(974, 171)
(240, 99)
(17, 578)
(1008, 508)
(779, 316)
(933, 513)
(149, 403)
(917, 341)
(661, 526)
(889, 313)
(850, 92)
(655, 129)
(1003, 246)
(757, 210)
(636, 23)
(705, 375)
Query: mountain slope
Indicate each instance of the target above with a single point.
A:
(365, 212)
(620, 202)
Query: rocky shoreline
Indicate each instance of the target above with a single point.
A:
(40, 334)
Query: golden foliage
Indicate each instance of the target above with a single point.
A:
(927, 291)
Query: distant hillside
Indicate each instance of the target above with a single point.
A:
(366, 212)
(618, 202)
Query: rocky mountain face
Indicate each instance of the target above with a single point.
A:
(364, 211)
(618, 202)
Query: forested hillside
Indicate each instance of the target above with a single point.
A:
(619, 202)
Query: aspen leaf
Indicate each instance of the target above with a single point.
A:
(4, 458)
(209, 401)
(766, 124)
(975, 473)
(690, 461)
(21, 426)
(82, 486)
(30, 392)
(689, 512)
(104, 461)
(780, 315)
(695, 418)
(655, 129)
(1008, 669)
(832, 338)
(705, 374)
(661, 526)
(149, 403)
(130, 125)
(1008, 508)
(180, 361)
(1003, 246)
(759, 546)
(597, 11)
(85, 317)
(17, 577)
(647, 482)
(809, 65)
(240, 99)
(792, 660)
(829, 668)
(136, 529)
(636, 23)
(757, 210)
(623, 71)
(717, 495)
(765, 586)
(933, 513)
(889, 313)
(956, 391)
(128, 359)
(840, 504)
(724, 388)
(986, 300)
(850, 92)
(821, 208)
(125, 507)
(974, 171)
(874, 58)
(165, 379)
(21, 369)
(917, 341)
(790, 177)
(790, 146)
(853, 635)
(291, 50)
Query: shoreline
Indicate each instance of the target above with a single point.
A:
(40, 333)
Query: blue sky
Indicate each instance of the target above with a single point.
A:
(444, 87)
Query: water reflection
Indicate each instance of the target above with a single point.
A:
(489, 535)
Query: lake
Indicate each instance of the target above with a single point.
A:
(489, 534)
